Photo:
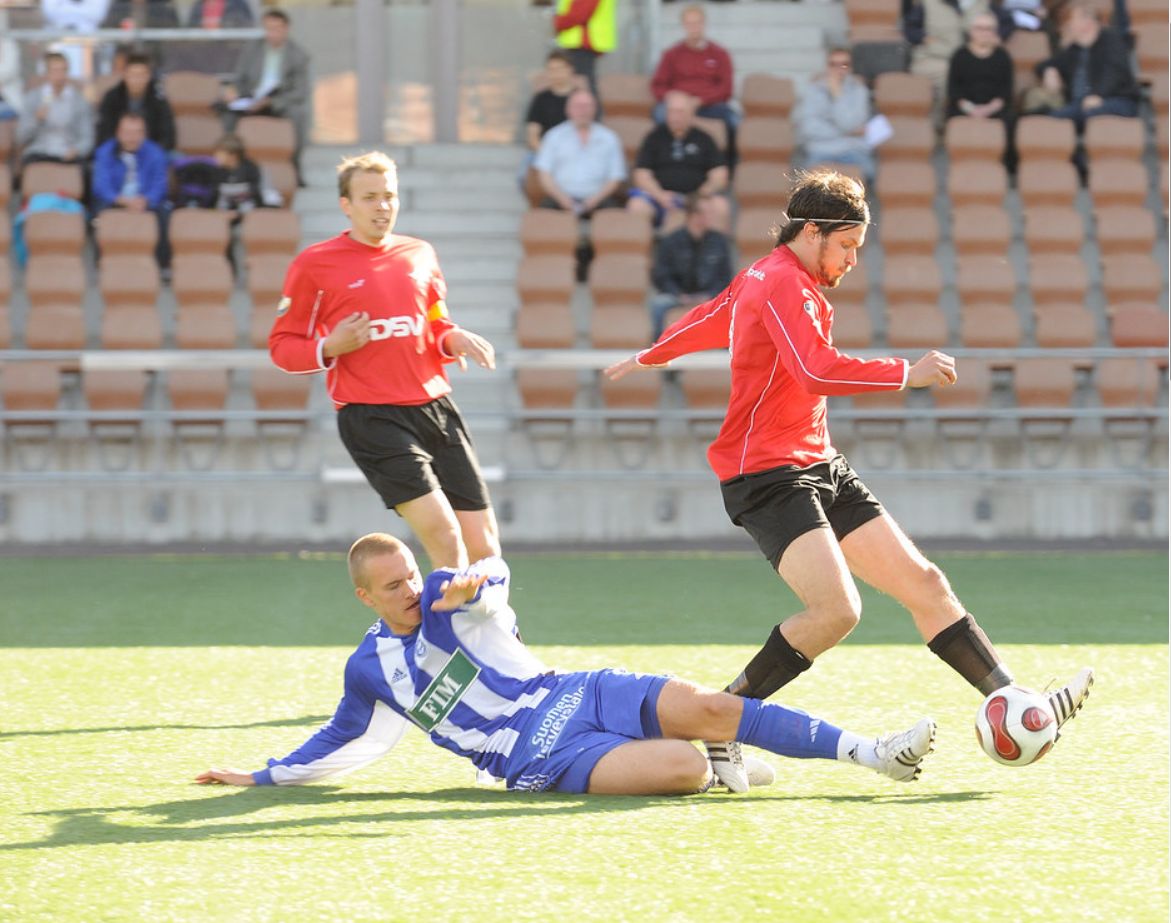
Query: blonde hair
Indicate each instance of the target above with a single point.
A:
(368, 547)
(370, 162)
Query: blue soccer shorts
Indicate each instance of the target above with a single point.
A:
(584, 717)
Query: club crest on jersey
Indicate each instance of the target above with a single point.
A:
(283, 305)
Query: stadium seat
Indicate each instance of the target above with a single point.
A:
(547, 230)
(118, 231)
(632, 392)
(972, 389)
(768, 96)
(267, 138)
(55, 286)
(1043, 138)
(5, 181)
(547, 389)
(199, 390)
(266, 279)
(1027, 50)
(913, 138)
(196, 135)
(60, 178)
(619, 278)
(764, 138)
(915, 325)
(545, 326)
(1046, 182)
(985, 277)
(273, 389)
(5, 281)
(979, 228)
(871, 13)
(911, 278)
(1057, 278)
(201, 277)
(614, 230)
(1124, 229)
(131, 326)
(761, 185)
(1044, 382)
(706, 389)
(852, 327)
(209, 325)
(631, 130)
(1119, 182)
(200, 230)
(620, 326)
(989, 325)
(1067, 325)
(281, 176)
(754, 237)
(904, 183)
(111, 390)
(973, 139)
(1053, 229)
(908, 229)
(1131, 277)
(1137, 324)
(5, 326)
(716, 129)
(897, 93)
(972, 182)
(202, 285)
(191, 92)
(1114, 136)
(625, 94)
(1143, 12)
(49, 232)
(7, 139)
(1124, 382)
(545, 277)
(271, 230)
(34, 385)
(1150, 49)
(130, 288)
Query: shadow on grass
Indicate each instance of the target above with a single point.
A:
(220, 817)
(274, 723)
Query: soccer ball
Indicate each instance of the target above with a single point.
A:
(1015, 726)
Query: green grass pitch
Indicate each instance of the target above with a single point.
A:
(122, 677)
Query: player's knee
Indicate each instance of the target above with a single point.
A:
(932, 583)
(841, 617)
(688, 770)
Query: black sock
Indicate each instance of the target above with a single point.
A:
(965, 648)
(775, 665)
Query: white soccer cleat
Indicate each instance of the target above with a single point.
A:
(900, 754)
(1067, 700)
(728, 765)
(759, 772)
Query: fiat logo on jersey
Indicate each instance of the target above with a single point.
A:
(383, 328)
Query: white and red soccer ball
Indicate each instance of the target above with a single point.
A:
(1016, 726)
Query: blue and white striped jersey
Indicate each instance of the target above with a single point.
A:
(463, 677)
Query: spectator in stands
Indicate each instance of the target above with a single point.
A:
(141, 14)
(238, 182)
(547, 108)
(55, 121)
(935, 29)
(831, 117)
(73, 16)
(220, 14)
(580, 162)
(700, 67)
(586, 29)
(691, 265)
(138, 92)
(272, 78)
(675, 160)
(979, 78)
(1092, 75)
(130, 171)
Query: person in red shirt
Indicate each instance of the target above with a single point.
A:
(781, 478)
(698, 67)
(367, 308)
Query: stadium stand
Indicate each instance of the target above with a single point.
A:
(767, 96)
(1057, 278)
(548, 231)
(1116, 181)
(973, 139)
(1053, 229)
(200, 230)
(753, 236)
(266, 276)
(765, 138)
(761, 185)
(1124, 229)
(614, 230)
(915, 325)
(1132, 277)
(630, 129)
(545, 277)
(912, 138)
(1041, 138)
(985, 277)
(54, 232)
(55, 286)
(980, 228)
(1114, 137)
(908, 229)
(61, 178)
(119, 232)
(1046, 182)
(545, 325)
(904, 182)
(989, 325)
(620, 326)
(202, 284)
(972, 182)
(903, 94)
(1137, 324)
(1064, 325)
(196, 134)
(130, 287)
(190, 92)
(625, 95)
(619, 278)
(911, 278)
(270, 230)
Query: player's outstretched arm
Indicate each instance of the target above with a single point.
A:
(464, 345)
(618, 369)
(457, 591)
(933, 369)
(225, 777)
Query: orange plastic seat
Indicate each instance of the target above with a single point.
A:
(1114, 137)
(764, 95)
(1053, 229)
(631, 130)
(973, 139)
(898, 93)
(48, 232)
(765, 138)
(197, 134)
(908, 229)
(1138, 324)
(267, 137)
(979, 228)
(619, 278)
(614, 230)
(1058, 278)
(1046, 182)
(1117, 181)
(973, 182)
(191, 91)
(545, 277)
(989, 326)
(44, 176)
(271, 230)
(915, 325)
(131, 326)
(911, 278)
(625, 94)
(1044, 383)
(547, 389)
(200, 230)
(620, 326)
(913, 138)
(632, 392)
(1131, 277)
(1064, 326)
(754, 237)
(546, 230)
(545, 326)
(984, 277)
(761, 185)
(118, 231)
(706, 389)
(1126, 382)
(1041, 137)
(1124, 229)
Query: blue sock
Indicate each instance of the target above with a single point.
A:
(787, 731)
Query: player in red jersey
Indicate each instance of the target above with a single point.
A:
(781, 478)
(367, 308)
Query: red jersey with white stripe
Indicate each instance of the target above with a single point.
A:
(776, 323)
(400, 286)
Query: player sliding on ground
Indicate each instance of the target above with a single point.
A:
(784, 482)
(444, 655)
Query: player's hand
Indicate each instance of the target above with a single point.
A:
(225, 777)
(935, 368)
(351, 334)
(464, 343)
(618, 369)
(457, 591)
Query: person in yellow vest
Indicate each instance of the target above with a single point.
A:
(586, 29)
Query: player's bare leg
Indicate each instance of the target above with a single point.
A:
(650, 767)
(481, 535)
(434, 523)
(816, 571)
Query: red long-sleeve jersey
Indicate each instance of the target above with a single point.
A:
(776, 323)
(704, 72)
(401, 287)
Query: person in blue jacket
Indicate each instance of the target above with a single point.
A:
(130, 171)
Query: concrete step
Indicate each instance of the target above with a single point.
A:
(780, 37)
(436, 225)
(476, 270)
(721, 16)
(489, 197)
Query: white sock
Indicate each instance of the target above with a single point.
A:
(857, 750)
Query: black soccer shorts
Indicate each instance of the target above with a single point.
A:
(406, 452)
(779, 505)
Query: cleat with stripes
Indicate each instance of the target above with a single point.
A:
(901, 754)
(728, 764)
(1068, 700)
